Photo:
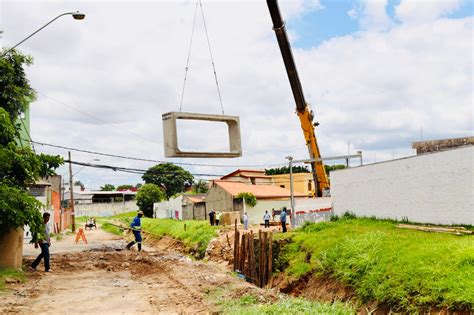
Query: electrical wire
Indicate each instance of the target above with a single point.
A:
(150, 160)
(98, 119)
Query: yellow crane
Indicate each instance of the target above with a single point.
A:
(303, 109)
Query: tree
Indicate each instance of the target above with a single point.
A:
(138, 185)
(286, 170)
(250, 199)
(107, 187)
(200, 187)
(124, 187)
(329, 168)
(147, 195)
(19, 165)
(79, 183)
(172, 178)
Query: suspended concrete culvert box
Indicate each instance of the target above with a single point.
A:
(170, 135)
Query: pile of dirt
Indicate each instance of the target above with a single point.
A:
(221, 248)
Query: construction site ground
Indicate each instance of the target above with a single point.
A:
(102, 277)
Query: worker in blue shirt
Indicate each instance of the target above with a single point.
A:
(136, 226)
(283, 220)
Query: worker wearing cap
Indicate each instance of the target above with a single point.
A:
(136, 226)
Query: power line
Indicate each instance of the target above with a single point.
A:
(131, 170)
(151, 160)
(97, 119)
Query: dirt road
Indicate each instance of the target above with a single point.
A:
(105, 279)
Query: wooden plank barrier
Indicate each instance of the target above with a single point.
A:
(253, 256)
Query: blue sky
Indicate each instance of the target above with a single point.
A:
(333, 20)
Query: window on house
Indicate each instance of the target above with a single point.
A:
(282, 186)
(252, 180)
(309, 186)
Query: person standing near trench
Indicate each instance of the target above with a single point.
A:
(283, 220)
(43, 240)
(136, 226)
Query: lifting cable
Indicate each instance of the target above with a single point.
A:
(198, 2)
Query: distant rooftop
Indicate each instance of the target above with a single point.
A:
(441, 144)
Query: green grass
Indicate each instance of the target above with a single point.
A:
(107, 227)
(10, 273)
(403, 268)
(250, 304)
(197, 236)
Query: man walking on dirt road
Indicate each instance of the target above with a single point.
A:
(44, 241)
(136, 226)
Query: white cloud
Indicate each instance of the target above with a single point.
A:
(413, 11)
(125, 64)
(372, 14)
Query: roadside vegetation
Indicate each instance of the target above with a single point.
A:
(11, 274)
(251, 304)
(194, 235)
(404, 269)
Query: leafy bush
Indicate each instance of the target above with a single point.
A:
(250, 199)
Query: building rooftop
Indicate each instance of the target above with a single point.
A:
(246, 174)
(259, 191)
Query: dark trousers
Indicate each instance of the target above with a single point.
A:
(283, 226)
(217, 222)
(138, 240)
(267, 223)
(44, 254)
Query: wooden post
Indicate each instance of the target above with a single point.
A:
(270, 255)
(242, 253)
(236, 250)
(253, 264)
(264, 260)
(260, 259)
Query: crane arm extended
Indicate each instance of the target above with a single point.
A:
(304, 112)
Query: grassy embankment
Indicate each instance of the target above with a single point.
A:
(10, 273)
(195, 238)
(405, 269)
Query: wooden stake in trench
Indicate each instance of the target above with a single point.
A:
(236, 247)
(270, 255)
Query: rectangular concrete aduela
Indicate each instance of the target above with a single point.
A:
(170, 135)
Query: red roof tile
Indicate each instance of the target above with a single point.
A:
(259, 191)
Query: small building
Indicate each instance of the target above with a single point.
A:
(251, 177)
(194, 207)
(302, 182)
(222, 193)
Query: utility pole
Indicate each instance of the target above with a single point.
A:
(71, 196)
(292, 198)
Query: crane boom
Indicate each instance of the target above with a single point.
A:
(303, 110)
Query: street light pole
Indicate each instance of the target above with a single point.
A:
(71, 195)
(76, 15)
(292, 198)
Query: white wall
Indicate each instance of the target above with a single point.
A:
(168, 209)
(256, 213)
(312, 210)
(104, 209)
(432, 188)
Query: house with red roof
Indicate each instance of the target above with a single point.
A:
(223, 192)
